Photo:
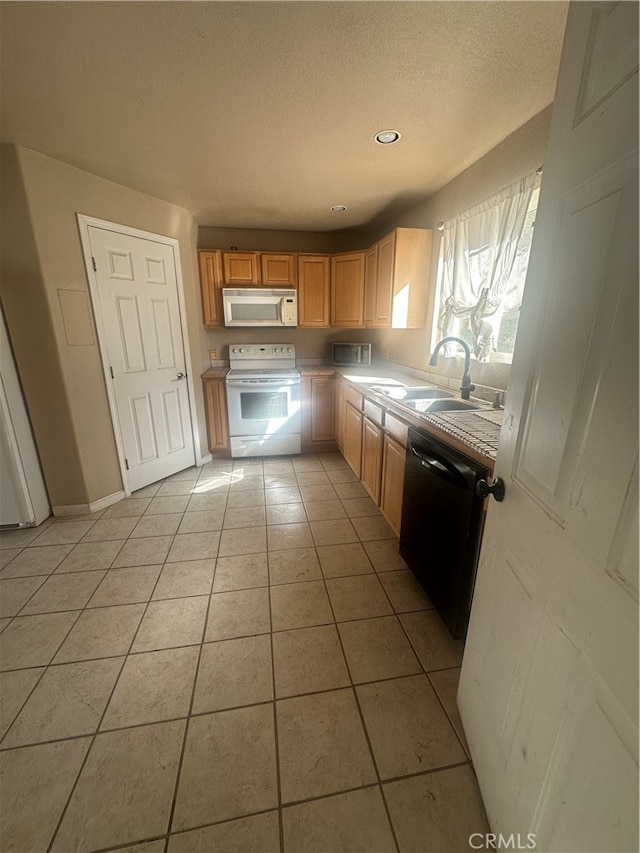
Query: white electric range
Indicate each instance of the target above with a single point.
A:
(263, 400)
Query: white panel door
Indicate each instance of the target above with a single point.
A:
(138, 295)
(549, 684)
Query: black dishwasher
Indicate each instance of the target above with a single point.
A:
(442, 520)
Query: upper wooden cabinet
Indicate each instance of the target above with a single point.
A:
(370, 285)
(241, 268)
(278, 270)
(347, 290)
(210, 264)
(313, 291)
(396, 296)
(384, 287)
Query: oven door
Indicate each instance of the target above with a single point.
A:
(259, 407)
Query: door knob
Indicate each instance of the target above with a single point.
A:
(178, 377)
(483, 489)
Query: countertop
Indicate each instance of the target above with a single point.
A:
(474, 432)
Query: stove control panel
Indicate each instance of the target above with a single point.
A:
(256, 352)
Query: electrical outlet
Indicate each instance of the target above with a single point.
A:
(213, 355)
(385, 355)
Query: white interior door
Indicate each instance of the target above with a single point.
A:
(137, 289)
(549, 683)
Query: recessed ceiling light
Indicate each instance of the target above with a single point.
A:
(387, 137)
(338, 208)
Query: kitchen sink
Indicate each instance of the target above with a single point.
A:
(417, 392)
(439, 405)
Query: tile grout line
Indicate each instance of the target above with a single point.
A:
(275, 717)
(102, 716)
(190, 710)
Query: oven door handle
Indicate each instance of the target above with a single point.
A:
(260, 383)
(441, 468)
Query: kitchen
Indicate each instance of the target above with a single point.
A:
(77, 447)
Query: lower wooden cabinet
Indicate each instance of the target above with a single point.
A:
(352, 437)
(372, 449)
(394, 456)
(317, 413)
(215, 404)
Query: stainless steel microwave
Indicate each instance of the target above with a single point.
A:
(348, 354)
(259, 306)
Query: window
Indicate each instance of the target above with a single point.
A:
(484, 254)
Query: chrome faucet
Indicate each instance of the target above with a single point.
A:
(466, 388)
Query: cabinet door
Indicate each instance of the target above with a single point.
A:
(347, 290)
(392, 482)
(372, 449)
(352, 438)
(322, 408)
(215, 403)
(241, 268)
(313, 291)
(385, 281)
(338, 410)
(278, 270)
(411, 266)
(210, 264)
(370, 285)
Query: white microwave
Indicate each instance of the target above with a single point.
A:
(259, 306)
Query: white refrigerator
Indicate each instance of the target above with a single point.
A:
(23, 495)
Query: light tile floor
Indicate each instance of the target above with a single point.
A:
(235, 659)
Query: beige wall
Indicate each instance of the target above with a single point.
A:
(34, 343)
(76, 414)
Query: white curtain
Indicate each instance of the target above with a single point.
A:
(477, 256)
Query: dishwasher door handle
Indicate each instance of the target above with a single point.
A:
(441, 467)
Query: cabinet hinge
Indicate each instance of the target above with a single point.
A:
(126, 462)
(111, 371)
(95, 266)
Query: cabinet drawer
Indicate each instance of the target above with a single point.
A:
(374, 412)
(396, 428)
(354, 397)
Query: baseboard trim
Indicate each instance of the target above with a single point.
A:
(86, 509)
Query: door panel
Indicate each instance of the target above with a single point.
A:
(549, 684)
(163, 333)
(173, 420)
(130, 344)
(142, 421)
(138, 294)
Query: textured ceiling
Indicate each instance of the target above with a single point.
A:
(262, 115)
